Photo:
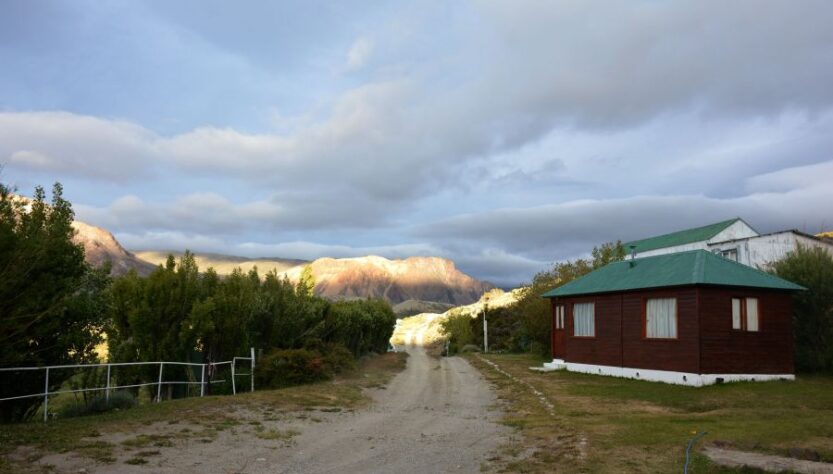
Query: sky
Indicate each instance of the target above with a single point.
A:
(503, 135)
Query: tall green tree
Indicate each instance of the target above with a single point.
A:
(812, 309)
(52, 304)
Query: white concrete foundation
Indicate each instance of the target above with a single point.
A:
(666, 376)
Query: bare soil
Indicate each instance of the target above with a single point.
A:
(438, 415)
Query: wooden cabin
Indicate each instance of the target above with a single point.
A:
(691, 318)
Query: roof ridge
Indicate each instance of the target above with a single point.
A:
(699, 270)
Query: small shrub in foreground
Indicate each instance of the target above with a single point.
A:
(284, 368)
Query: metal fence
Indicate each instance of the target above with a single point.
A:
(107, 388)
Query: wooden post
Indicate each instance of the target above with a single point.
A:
(159, 386)
(202, 382)
(46, 396)
(233, 383)
(107, 389)
(253, 368)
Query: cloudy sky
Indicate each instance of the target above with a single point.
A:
(504, 135)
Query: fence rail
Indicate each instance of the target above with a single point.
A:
(159, 383)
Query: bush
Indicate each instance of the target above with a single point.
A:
(338, 359)
(121, 400)
(458, 330)
(284, 368)
(811, 268)
(469, 348)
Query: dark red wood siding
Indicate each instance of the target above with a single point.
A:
(603, 349)
(705, 342)
(727, 351)
(681, 354)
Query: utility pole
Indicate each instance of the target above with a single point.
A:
(485, 326)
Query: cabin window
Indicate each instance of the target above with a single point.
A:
(661, 318)
(730, 254)
(559, 317)
(584, 320)
(745, 315)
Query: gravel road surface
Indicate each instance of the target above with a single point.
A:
(435, 416)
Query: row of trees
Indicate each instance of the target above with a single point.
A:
(55, 309)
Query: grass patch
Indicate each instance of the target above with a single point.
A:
(74, 434)
(277, 435)
(607, 424)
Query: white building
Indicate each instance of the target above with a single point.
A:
(733, 239)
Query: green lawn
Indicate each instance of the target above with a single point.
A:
(212, 414)
(606, 424)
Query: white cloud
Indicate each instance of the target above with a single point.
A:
(359, 53)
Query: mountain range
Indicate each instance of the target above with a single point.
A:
(413, 285)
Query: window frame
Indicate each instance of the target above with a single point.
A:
(560, 311)
(744, 314)
(645, 317)
(573, 314)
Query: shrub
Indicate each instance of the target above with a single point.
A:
(284, 368)
(121, 400)
(338, 359)
(458, 330)
(812, 309)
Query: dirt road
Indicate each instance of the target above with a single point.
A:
(433, 417)
(437, 415)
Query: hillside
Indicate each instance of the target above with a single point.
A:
(224, 264)
(424, 329)
(100, 246)
(431, 279)
(414, 307)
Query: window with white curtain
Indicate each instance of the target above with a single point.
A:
(661, 318)
(752, 314)
(559, 317)
(737, 313)
(745, 314)
(584, 320)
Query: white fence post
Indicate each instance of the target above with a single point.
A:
(159, 386)
(46, 396)
(107, 390)
(233, 383)
(253, 368)
(202, 382)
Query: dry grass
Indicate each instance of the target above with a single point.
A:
(201, 418)
(605, 424)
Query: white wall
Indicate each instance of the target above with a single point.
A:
(677, 248)
(761, 251)
(738, 230)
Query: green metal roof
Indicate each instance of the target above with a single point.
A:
(695, 267)
(682, 237)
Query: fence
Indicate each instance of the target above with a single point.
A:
(159, 383)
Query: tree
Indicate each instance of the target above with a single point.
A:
(534, 311)
(52, 304)
(306, 283)
(812, 309)
(607, 253)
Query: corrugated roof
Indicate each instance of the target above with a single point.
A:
(695, 267)
(682, 237)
